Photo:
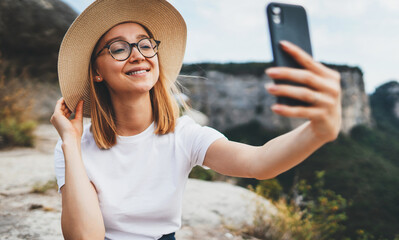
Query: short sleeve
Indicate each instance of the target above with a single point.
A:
(197, 139)
(59, 164)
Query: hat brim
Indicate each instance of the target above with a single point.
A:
(163, 21)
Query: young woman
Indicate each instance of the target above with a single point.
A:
(122, 176)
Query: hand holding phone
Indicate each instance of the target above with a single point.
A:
(309, 84)
(288, 22)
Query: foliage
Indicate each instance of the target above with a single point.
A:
(362, 175)
(270, 189)
(325, 206)
(382, 103)
(386, 145)
(361, 167)
(311, 213)
(199, 172)
(16, 125)
(14, 133)
(289, 223)
(42, 188)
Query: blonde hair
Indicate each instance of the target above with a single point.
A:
(165, 108)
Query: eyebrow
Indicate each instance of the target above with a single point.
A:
(141, 36)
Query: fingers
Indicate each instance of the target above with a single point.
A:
(305, 60)
(58, 105)
(303, 77)
(79, 110)
(311, 113)
(63, 109)
(301, 93)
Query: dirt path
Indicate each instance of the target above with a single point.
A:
(26, 215)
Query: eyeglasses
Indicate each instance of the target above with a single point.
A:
(120, 50)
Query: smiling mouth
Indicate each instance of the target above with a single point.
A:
(136, 72)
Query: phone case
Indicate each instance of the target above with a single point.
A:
(293, 27)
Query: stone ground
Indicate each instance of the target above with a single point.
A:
(26, 215)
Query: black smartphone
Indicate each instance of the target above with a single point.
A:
(288, 22)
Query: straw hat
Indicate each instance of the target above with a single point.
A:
(163, 21)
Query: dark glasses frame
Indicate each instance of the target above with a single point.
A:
(131, 46)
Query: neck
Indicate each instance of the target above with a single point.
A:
(132, 114)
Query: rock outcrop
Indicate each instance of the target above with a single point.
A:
(31, 32)
(385, 104)
(230, 100)
(221, 203)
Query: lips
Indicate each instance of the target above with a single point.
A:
(137, 70)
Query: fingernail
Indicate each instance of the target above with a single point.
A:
(272, 71)
(270, 86)
(284, 43)
(276, 108)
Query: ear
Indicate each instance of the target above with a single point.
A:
(98, 78)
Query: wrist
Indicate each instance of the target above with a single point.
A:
(321, 134)
(70, 140)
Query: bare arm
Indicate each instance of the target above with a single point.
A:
(276, 156)
(81, 215)
(288, 150)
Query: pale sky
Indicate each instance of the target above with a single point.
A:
(362, 33)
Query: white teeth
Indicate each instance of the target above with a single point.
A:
(136, 72)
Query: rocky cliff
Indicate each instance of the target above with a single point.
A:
(385, 105)
(30, 35)
(230, 94)
(233, 99)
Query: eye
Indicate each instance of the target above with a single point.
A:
(118, 47)
(119, 50)
(145, 44)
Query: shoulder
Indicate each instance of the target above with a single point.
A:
(186, 126)
(185, 123)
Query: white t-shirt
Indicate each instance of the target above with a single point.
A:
(140, 181)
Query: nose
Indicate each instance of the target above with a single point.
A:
(135, 55)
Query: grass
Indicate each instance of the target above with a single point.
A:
(42, 188)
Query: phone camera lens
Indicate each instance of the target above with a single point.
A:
(276, 19)
(276, 10)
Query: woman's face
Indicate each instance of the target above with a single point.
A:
(126, 76)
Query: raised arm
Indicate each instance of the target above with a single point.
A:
(288, 150)
(81, 216)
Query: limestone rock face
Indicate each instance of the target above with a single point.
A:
(231, 100)
(31, 32)
(355, 102)
(214, 204)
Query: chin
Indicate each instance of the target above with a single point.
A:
(144, 88)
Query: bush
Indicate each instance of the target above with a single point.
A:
(42, 188)
(270, 189)
(16, 124)
(199, 172)
(312, 212)
(14, 133)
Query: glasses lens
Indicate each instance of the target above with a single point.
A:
(120, 50)
(148, 47)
